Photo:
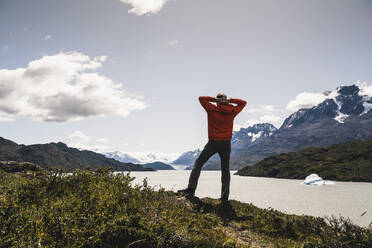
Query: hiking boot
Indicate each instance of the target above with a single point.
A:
(186, 192)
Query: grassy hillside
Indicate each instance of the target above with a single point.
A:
(350, 161)
(59, 155)
(99, 209)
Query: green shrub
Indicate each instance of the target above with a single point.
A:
(102, 209)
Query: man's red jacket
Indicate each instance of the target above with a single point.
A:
(221, 117)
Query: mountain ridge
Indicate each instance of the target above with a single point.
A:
(343, 115)
(349, 161)
(59, 155)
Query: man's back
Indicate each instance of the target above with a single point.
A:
(220, 126)
(221, 117)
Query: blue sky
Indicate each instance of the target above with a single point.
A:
(126, 75)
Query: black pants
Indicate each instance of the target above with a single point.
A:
(223, 148)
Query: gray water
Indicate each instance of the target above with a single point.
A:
(290, 196)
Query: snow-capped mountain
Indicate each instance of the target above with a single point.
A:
(122, 157)
(343, 116)
(339, 105)
(142, 157)
(251, 135)
(187, 158)
(242, 138)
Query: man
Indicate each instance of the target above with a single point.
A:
(220, 127)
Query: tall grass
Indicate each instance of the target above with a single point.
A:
(101, 209)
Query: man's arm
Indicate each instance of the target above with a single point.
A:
(240, 104)
(205, 101)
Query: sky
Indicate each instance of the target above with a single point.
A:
(126, 74)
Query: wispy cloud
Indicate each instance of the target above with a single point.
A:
(272, 119)
(6, 118)
(173, 42)
(141, 7)
(305, 100)
(365, 88)
(102, 140)
(263, 114)
(260, 109)
(64, 87)
(310, 99)
(80, 140)
(79, 136)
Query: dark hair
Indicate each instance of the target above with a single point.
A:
(221, 95)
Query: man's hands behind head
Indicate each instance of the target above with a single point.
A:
(223, 100)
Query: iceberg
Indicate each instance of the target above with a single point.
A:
(314, 179)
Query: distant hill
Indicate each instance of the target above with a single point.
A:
(59, 155)
(158, 166)
(350, 161)
(243, 138)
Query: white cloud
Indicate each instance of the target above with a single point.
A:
(273, 119)
(89, 147)
(102, 140)
(6, 118)
(63, 87)
(270, 119)
(79, 136)
(247, 123)
(141, 7)
(265, 108)
(173, 42)
(47, 37)
(306, 100)
(365, 89)
(309, 100)
(82, 141)
(264, 114)
(237, 127)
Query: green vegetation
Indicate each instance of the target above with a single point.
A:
(59, 155)
(350, 161)
(101, 209)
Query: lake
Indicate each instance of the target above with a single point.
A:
(348, 199)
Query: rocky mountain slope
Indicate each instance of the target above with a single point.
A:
(344, 115)
(245, 137)
(350, 161)
(59, 155)
(187, 158)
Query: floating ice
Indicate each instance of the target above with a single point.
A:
(314, 179)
